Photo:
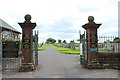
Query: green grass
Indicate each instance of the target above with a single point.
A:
(59, 48)
(65, 50)
(71, 52)
(77, 44)
(105, 51)
(77, 48)
(59, 44)
(42, 48)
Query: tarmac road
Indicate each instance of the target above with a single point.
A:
(53, 64)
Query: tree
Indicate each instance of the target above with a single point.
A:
(78, 39)
(50, 40)
(64, 41)
(59, 41)
(117, 40)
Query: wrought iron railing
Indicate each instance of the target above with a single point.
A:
(109, 43)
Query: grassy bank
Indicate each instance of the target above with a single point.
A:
(65, 50)
(42, 48)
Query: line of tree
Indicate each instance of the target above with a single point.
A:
(51, 40)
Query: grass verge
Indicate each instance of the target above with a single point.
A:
(65, 50)
(42, 48)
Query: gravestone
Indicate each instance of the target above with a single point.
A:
(108, 45)
(72, 45)
(81, 49)
(78, 47)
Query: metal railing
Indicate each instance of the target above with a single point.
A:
(109, 43)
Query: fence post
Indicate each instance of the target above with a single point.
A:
(92, 41)
(27, 47)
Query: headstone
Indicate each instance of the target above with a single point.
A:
(81, 49)
(64, 45)
(72, 45)
(108, 45)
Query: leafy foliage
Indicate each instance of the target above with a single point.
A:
(59, 41)
(117, 40)
(78, 39)
(50, 40)
(64, 41)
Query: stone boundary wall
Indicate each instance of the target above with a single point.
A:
(109, 60)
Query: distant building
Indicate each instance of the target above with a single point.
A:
(7, 31)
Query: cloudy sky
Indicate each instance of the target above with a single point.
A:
(61, 19)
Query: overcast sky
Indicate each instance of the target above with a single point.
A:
(61, 19)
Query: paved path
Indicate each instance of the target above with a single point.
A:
(53, 64)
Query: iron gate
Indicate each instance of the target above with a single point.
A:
(83, 56)
(35, 53)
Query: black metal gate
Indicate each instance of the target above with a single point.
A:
(83, 56)
(35, 53)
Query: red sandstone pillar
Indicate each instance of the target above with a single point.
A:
(27, 44)
(92, 40)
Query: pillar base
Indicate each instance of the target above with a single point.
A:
(95, 66)
(27, 68)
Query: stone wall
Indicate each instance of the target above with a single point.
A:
(109, 60)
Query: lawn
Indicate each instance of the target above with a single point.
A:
(42, 48)
(77, 48)
(65, 50)
(71, 52)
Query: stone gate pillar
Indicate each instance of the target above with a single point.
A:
(27, 44)
(92, 41)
